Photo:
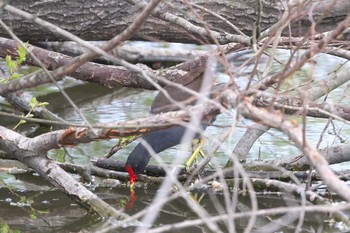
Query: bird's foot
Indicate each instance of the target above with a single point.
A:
(198, 144)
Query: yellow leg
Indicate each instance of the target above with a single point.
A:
(196, 198)
(195, 153)
(203, 156)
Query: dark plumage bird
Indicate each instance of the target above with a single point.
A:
(166, 138)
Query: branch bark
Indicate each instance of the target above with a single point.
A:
(30, 152)
(294, 132)
(92, 20)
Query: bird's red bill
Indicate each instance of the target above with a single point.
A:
(132, 175)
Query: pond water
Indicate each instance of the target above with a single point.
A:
(103, 105)
(29, 204)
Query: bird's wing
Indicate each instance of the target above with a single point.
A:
(179, 97)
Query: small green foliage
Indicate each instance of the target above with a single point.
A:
(33, 103)
(22, 121)
(43, 104)
(128, 139)
(22, 199)
(13, 65)
(15, 76)
(22, 53)
(122, 142)
(4, 228)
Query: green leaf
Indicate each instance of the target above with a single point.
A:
(4, 228)
(22, 122)
(19, 123)
(15, 76)
(33, 102)
(22, 53)
(22, 199)
(12, 65)
(43, 104)
(8, 60)
(129, 138)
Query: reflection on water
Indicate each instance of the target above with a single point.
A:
(52, 211)
(35, 207)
